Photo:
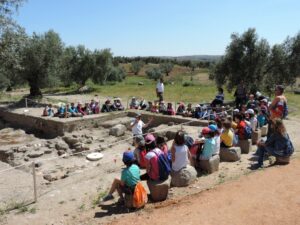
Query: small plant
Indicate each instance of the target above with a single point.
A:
(187, 84)
(32, 210)
(61, 202)
(98, 198)
(81, 207)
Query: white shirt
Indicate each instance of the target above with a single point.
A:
(217, 146)
(137, 129)
(160, 87)
(253, 123)
(181, 157)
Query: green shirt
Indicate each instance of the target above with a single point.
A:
(131, 176)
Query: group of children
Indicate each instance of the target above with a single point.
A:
(70, 110)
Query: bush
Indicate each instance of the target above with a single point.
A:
(187, 84)
(154, 73)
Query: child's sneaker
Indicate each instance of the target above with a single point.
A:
(107, 198)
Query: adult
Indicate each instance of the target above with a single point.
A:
(219, 99)
(240, 95)
(130, 176)
(278, 107)
(137, 125)
(160, 88)
(278, 144)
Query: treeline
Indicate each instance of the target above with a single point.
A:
(254, 61)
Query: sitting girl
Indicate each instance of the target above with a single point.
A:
(162, 145)
(180, 109)
(170, 110)
(227, 135)
(134, 104)
(278, 144)
(179, 152)
(189, 111)
(209, 144)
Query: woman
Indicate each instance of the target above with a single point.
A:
(278, 144)
(278, 107)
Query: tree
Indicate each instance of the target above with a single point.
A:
(103, 64)
(153, 73)
(293, 48)
(7, 9)
(245, 60)
(41, 61)
(136, 66)
(166, 67)
(193, 66)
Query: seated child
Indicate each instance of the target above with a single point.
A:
(87, 110)
(48, 110)
(262, 118)
(96, 108)
(154, 108)
(143, 105)
(162, 107)
(140, 151)
(60, 111)
(80, 109)
(209, 144)
(241, 126)
(106, 107)
(180, 109)
(130, 176)
(73, 111)
(67, 113)
(189, 111)
(134, 104)
(92, 105)
(251, 104)
(170, 110)
(149, 107)
(162, 145)
(217, 138)
(117, 106)
(227, 135)
(252, 119)
(179, 152)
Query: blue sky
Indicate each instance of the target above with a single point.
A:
(160, 27)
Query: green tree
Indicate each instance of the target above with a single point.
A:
(166, 68)
(293, 49)
(103, 64)
(154, 73)
(136, 66)
(41, 61)
(245, 59)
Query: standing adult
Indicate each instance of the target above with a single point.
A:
(278, 107)
(137, 125)
(160, 89)
(240, 95)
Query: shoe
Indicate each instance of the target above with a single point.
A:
(107, 198)
(257, 166)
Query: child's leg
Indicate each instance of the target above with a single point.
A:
(114, 186)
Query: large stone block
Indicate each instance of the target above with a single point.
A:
(183, 177)
(232, 154)
(282, 160)
(256, 136)
(264, 130)
(118, 130)
(159, 189)
(245, 145)
(211, 165)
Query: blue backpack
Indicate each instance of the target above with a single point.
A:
(163, 166)
(248, 132)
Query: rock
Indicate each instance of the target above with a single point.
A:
(35, 154)
(83, 89)
(245, 145)
(2, 125)
(232, 154)
(151, 130)
(140, 83)
(89, 141)
(47, 151)
(256, 136)
(60, 152)
(211, 165)
(7, 155)
(70, 140)
(81, 147)
(50, 177)
(184, 177)
(171, 124)
(264, 130)
(101, 140)
(22, 149)
(171, 134)
(61, 146)
(38, 164)
(117, 130)
(158, 189)
(26, 159)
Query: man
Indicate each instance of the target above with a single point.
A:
(240, 95)
(138, 125)
(160, 89)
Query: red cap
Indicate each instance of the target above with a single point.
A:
(206, 130)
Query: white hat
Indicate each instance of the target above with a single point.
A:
(264, 100)
(236, 110)
(198, 106)
(250, 111)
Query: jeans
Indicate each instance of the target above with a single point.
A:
(261, 154)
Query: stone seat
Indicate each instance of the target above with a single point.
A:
(183, 177)
(158, 189)
(231, 154)
(211, 165)
(245, 145)
(264, 130)
(282, 160)
(256, 136)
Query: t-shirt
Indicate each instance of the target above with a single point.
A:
(137, 129)
(227, 137)
(152, 162)
(208, 148)
(241, 130)
(160, 87)
(181, 157)
(253, 123)
(131, 175)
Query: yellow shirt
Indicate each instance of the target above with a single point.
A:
(233, 125)
(227, 137)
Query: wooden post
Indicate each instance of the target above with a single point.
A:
(34, 182)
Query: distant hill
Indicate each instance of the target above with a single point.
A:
(208, 58)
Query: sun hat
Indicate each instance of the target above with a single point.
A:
(236, 110)
(264, 100)
(149, 138)
(213, 127)
(250, 111)
(206, 130)
(128, 156)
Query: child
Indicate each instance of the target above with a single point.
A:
(262, 118)
(162, 145)
(251, 104)
(140, 151)
(181, 109)
(278, 144)
(227, 135)
(73, 111)
(87, 110)
(209, 144)
(143, 105)
(149, 107)
(45, 111)
(179, 152)
(215, 130)
(129, 178)
(189, 111)
(154, 108)
(134, 104)
(67, 113)
(117, 106)
(198, 112)
(80, 109)
(97, 108)
(219, 99)
(162, 107)
(106, 106)
(60, 111)
(241, 126)
(170, 110)
(92, 105)
(252, 119)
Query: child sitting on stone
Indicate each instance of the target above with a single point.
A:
(181, 109)
(227, 135)
(134, 104)
(189, 111)
(170, 110)
(209, 144)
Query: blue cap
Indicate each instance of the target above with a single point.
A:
(213, 127)
(128, 157)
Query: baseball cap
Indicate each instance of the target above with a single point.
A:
(128, 156)
(236, 110)
(250, 111)
(213, 127)
(206, 130)
(139, 139)
(149, 138)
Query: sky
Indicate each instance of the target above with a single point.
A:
(160, 27)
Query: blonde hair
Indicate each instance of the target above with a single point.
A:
(278, 126)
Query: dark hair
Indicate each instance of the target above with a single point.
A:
(211, 134)
(160, 140)
(211, 122)
(179, 138)
(128, 164)
(219, 123)
(239, 116)
(221, 90)
(150, 146)
(280, 88)
(227, 124)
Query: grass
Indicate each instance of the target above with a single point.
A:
(97, 199)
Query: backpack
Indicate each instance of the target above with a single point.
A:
(143, 160)
(189, 141)
(248, 132)
(163, 166)
(140, 197)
